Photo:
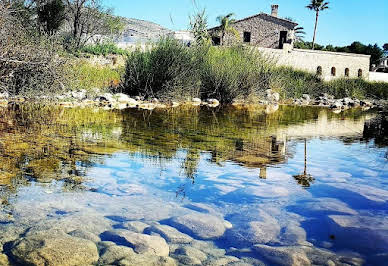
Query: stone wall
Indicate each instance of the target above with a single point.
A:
(378, 77)
(265, 30)
(333, 65)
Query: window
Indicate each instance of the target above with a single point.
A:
(319, 71)
(247, 36)
(333, 71)
(216, 40)
(360, 73)
(346, 72)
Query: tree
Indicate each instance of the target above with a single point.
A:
(299, 34)
(198, 27)
(226, 26)
(385, 47)
(51, 15)
(88, 19)
(317, 6)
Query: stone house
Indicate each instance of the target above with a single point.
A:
(263, 30)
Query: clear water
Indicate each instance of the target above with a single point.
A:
(299, 177)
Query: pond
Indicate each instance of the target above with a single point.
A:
(191, 186)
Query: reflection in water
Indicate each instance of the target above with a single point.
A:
(304, 179)
(113, 168)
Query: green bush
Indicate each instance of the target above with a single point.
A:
(234, 72)
(172, 70)
(169, 69)
(104, 49)
(83, 75)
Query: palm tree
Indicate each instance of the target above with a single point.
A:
(299, 34)
(226, 26)
(317, 6)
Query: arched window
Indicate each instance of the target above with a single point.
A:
(346, 72)
(333, 71)
(360, 73)
(319, 71)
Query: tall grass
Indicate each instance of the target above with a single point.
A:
(170, 70)
(104, 49)
(83, 75)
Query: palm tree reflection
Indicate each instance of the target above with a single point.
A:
(304, 179)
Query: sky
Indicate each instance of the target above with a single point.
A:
(346, 20)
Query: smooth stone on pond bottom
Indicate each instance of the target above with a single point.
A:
(136, 226)
(114, 253)
(203, 226)
(4, 260)
(191, 252)
(283, 255)
(54, 248)
(142, 244)
(255, 232)
(85, 235)
(227, 260)
(149, 260)
(169, 233)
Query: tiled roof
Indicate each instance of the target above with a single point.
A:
(264, 15)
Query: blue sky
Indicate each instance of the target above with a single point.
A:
(346, 21)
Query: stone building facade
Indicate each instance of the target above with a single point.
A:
(262, 30)
(275, 36)
(328, 65)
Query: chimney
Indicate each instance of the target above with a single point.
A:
(274, 10)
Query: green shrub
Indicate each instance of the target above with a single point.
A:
(83, 75)
(104, 49)
(169, 69)
(234, 72)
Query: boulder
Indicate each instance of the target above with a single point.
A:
(79, 95)
(272, 96)
(4, 95)
(123, 98)
(196, 101)
(212, 102)
(336, 105)
(170, 234)
(85, 235)
(201, 225)
(106, 97)
(54, 248)
(286, 256)
(306, 97)
(142, 244)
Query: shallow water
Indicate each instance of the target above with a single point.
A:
(254, 186)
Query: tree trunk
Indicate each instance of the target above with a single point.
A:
(315, 28)
(222, 37)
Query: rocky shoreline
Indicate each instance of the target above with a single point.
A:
(120, 101)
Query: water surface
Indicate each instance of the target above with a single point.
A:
(253, 186)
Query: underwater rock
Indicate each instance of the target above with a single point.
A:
(323, 206)
(227, 260)
(142, 244)
(136, 226)
(191, 253)
(283, 255)
(85, 235)
(254, 232)
(147, 261)
(114, 253)
(368, 232)
(293, 234)
(54, 248)
(202, 226)
(4, 260)
(170, 234)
